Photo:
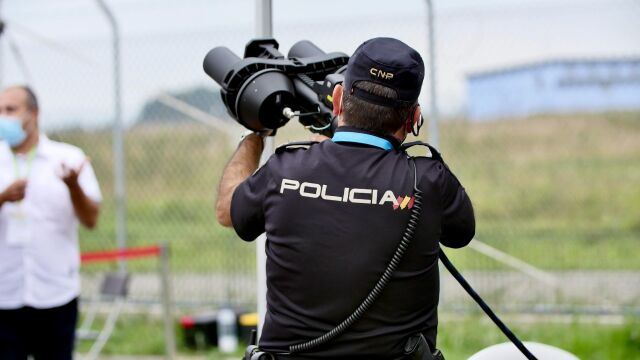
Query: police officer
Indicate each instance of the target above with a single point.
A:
(335, 212)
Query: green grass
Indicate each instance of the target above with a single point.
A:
(133, 335)
(458, 338)
(558, 192)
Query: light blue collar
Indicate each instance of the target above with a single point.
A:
(355, 137)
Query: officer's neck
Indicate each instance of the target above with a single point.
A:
(400, 135)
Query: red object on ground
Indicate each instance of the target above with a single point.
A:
(113, 255)
(187, 322)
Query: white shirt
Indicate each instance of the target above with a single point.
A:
(39, 253)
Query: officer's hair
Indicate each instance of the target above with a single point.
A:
(32, 100)
(379, 119)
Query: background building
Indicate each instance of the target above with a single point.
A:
(555, 86)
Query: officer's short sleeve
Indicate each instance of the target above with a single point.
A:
(247, 205)
(458, 220)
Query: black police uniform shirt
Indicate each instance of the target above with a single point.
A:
(334, 214)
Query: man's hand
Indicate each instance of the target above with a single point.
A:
(15, 191)
(70, 175)
(86, 210)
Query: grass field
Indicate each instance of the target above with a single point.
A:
(558, 192)
(458, 337)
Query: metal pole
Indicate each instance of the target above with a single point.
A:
(264, 18)
(433, 135)
(118, 133)
(264, 29)
(167, 304)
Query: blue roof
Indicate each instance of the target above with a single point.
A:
(552, 62)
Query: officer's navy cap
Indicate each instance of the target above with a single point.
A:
(388, 62)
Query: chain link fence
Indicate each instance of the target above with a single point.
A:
(556, 197)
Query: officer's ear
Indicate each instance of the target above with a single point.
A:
(415, 120)
(337, 100)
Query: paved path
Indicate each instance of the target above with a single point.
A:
(601, 289)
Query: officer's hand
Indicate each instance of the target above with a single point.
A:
(70, 175)
(265, 133)
(15, 191)
(319, 138)
(255, 134)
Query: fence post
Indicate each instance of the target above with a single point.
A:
(167, 303)
(118, 135)
(434, 133)
(264, 29)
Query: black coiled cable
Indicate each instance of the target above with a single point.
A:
(407, 236)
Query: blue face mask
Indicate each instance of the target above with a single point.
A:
(11, 130)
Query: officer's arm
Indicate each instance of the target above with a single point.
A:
(243, 163)
(458, 222)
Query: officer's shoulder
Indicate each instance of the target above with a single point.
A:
(433, 153)
(295, 146)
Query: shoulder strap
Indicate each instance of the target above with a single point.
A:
(294, 145)
(434, 152)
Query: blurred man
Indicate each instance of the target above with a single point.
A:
(46, 188)
(335, 212)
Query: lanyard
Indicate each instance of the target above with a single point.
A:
(16, 170)
(30, 156)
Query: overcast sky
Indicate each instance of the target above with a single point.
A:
(66, 51)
